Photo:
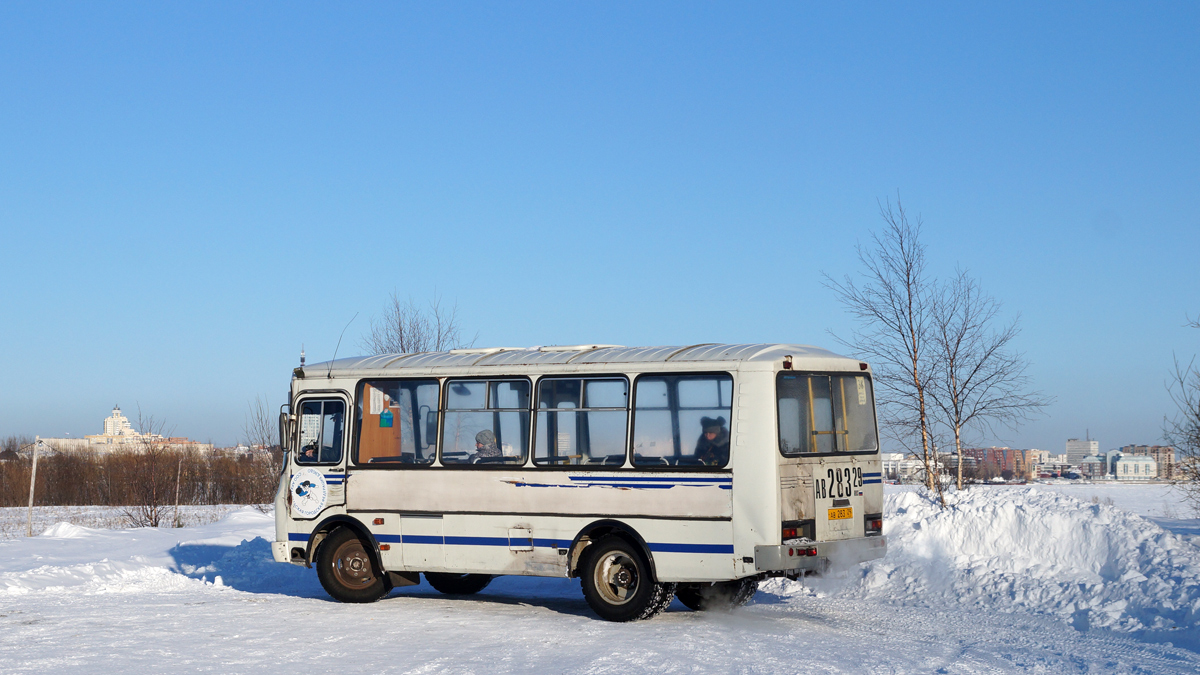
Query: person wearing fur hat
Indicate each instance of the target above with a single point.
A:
(713, 446)
(485, 445)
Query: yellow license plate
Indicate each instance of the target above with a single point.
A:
(840, 514)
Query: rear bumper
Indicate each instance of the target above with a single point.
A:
(830, 554)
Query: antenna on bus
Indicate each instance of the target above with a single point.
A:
(301, 354)
(329, 374)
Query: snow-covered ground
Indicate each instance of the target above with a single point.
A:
(1006, 580)
(14, 521)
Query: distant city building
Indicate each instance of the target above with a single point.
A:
(998, 460)
(119, 435)
(1077, 450)
(1134, 467)
(1163, 455)
(1120, 466)
(117, 424)
(897, 467)
(1093, 467)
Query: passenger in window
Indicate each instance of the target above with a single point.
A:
(712, 448)
(485, 445)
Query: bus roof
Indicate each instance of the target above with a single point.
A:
(575, 354)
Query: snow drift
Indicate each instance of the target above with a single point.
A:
(1093, 565)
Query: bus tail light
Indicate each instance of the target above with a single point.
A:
(790, 533)
(874, 525)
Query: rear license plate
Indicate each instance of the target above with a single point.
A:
(841, 514)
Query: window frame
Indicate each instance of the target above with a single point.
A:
(726, 467)
(358, 388)
(536, 400)
(321, 396)
(444, 402)
(806, 373)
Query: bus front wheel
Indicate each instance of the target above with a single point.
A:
(618, 585)
(347, 571)
(720, 596)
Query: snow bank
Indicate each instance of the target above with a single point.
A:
(1092, 565)
(232, 552)
(65, 531)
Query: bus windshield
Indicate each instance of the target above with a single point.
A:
(825, 414)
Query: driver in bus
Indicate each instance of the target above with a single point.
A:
(485, 445)
(712, 448)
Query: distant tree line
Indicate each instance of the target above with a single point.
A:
(147, 477)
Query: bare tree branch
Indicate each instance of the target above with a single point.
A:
(261, 435)
(892, 303)
(978, 380)
(1182, 429)
(406, 328)
(152, 475)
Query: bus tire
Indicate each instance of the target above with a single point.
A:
(346, 570)
(618, 584)
(726, 595)
(458, 584)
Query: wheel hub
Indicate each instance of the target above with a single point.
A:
(617, 578)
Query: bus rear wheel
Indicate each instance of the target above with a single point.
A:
(347, 571)
(726, 595)
(618, 585)
(458, 584)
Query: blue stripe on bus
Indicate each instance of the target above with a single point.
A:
(872, 481)
(655, 479)
(423, 539)
(551, 543)
(691, 548)
(537, 543)
(477, 541)
(876, 474)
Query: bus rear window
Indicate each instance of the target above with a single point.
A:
(826, 414)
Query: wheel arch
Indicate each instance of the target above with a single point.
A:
(326, 528)
(602, 528)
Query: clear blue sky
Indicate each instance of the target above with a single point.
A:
(190, 191)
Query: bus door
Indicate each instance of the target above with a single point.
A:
(319, 474)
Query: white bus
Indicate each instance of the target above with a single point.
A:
(646, 472)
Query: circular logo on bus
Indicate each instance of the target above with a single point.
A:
(308, 492)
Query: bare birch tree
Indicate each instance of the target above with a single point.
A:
(979, 380)
(152, 474)
(261, 435)
(1182, 429)
(893, 306)
(406, 328)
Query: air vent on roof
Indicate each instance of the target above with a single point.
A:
(485, 350)
(576, 348)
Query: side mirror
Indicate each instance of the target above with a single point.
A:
(283, 431)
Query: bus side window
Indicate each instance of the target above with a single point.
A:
(486, 422)
(682, 420)
(581, 422)
(397, 422)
